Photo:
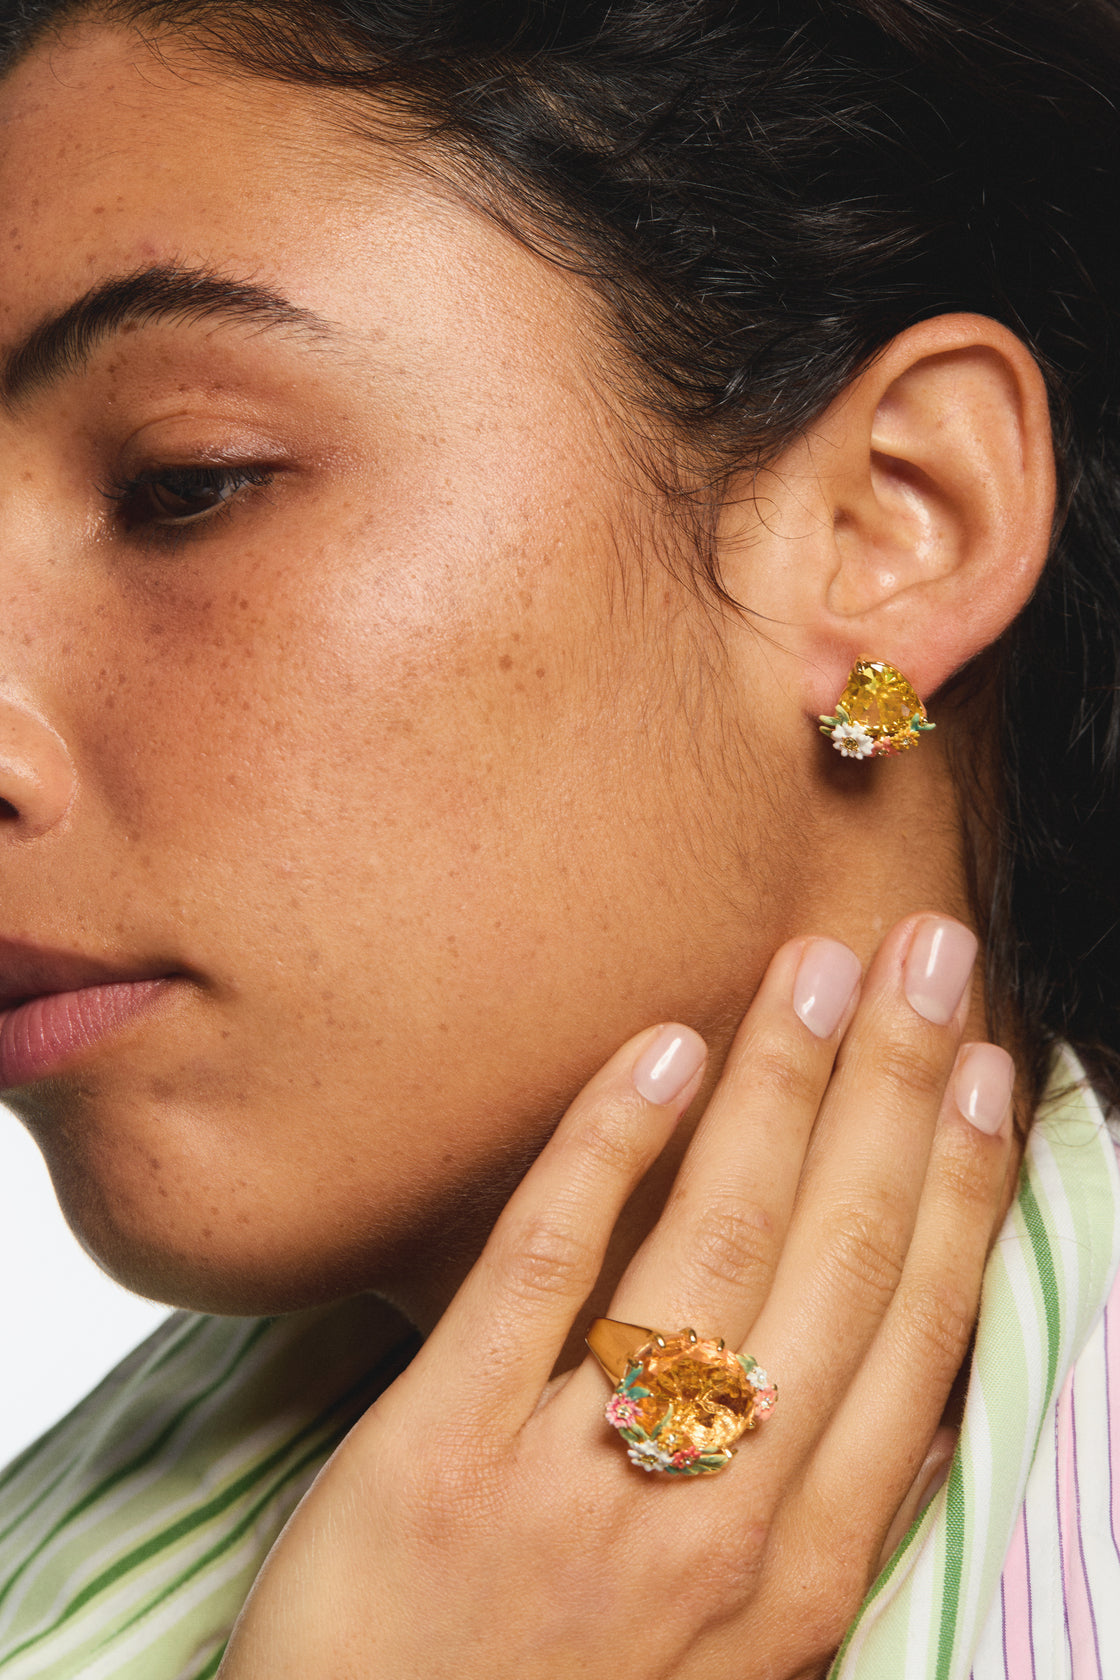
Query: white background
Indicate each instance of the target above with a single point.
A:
(63, 1324)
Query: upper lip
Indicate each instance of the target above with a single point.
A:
(31, 971)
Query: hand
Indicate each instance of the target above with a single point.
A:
(831, 1217)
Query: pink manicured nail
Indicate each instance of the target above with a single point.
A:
(824, 985)
(937, 968)
(666, 1065)
(982, 1085)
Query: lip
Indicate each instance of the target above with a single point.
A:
(54, 1005)
(38, 1036)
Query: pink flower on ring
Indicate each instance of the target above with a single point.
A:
(622, 1412)
(684, 1457)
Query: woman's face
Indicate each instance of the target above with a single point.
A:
(406, 765)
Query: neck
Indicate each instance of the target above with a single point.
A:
(880, 842)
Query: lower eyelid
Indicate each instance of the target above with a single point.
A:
(150, 530)
(252, 481)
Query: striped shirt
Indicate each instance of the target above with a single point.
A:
(130, 1535)
(1013, 1573)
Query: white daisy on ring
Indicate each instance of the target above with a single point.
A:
(648, 1454)
(852, 740)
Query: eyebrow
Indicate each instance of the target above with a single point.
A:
(63, 343)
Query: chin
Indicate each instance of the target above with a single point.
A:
(206, 1269)
(215, 1216)
(186, 1253)
(212, 1252)
(221, 1285)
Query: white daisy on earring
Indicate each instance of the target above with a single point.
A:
(852, 740)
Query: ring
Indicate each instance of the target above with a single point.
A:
(679, 1402)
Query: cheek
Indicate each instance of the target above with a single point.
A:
(402, 810)
(338, 732)
(391, 715)
(382, 782)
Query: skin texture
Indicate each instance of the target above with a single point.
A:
(421, 744)
(426, 780)
(408, 688)
(858, 1282)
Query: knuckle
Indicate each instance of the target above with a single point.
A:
(543, 1258)
(783, 1072)
(963, 1173)
(446, 1497)
(837, 1556)
(907, 1070)
(725, 1573)
(866, 1254)
(824, 1618)
(730, 1243)
(938, 1318)
(831, 1568)
(608, 1138)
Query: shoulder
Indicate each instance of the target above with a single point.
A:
(135, 1527)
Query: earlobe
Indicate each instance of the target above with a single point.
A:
(942, 492)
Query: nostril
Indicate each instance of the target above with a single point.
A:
(37, 782)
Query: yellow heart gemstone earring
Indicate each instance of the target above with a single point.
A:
(878, 713)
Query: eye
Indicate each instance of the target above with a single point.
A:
(172, 497)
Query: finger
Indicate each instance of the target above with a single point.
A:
(876, 1437)
(863, 1180)
(931, 1478)
(711, 1259)
(498, 1341)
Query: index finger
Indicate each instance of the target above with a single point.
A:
(512, 1314)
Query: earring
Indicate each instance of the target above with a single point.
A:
(878, 713)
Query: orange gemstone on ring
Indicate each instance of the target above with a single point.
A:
(707, 1395)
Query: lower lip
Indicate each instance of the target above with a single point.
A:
(39, 1036)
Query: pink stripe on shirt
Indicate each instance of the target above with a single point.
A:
(1112, 1378)
(1080, 1624)
(1018, 1646)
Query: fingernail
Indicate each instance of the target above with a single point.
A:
(824, 985)
(982, 1085)
(666, 1065)
(937, 968)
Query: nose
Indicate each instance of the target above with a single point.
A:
(37, 779)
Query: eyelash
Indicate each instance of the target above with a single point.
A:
(138, 513)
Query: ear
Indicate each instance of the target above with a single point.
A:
(912, 522)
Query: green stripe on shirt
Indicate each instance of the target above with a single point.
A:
(138, 1524)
